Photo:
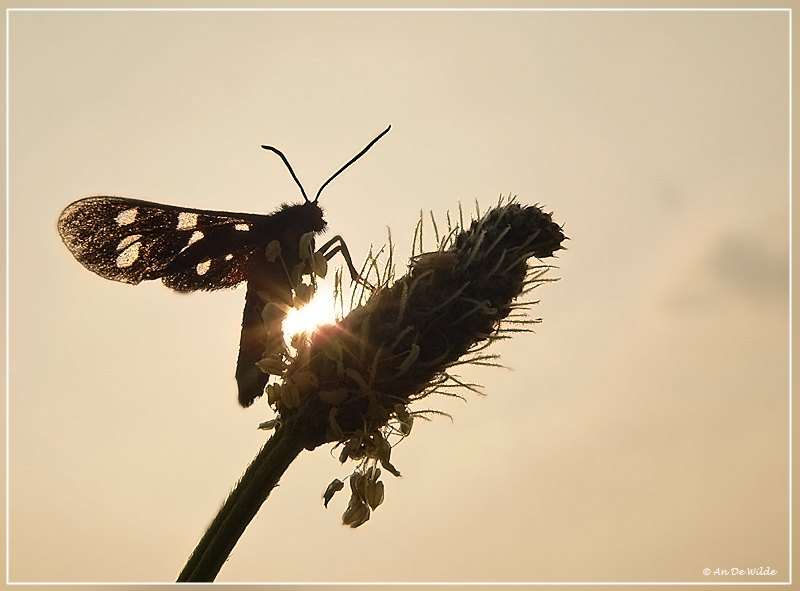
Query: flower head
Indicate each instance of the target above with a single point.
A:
(352, 382)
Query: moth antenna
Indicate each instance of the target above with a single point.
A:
(353, 159)
(289, 166)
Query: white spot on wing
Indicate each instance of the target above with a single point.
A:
(202, 268)
(228, 257)
(128, 240)
(196, 235)
(127, 217)
(242, 227)
(186, 220)
(128, 256)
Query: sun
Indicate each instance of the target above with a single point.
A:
(319, 311)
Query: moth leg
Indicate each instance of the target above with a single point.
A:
(341, 247)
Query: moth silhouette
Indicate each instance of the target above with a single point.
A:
(129, 240)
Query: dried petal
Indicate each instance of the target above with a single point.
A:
(273, 393)
(269, 425)
(319, 265)
(272, 366)
(303, 294)
(374, 493)
(332, 489)
(307, 244)
(357, 513)
(384, 453)
(435, 260)
(274, 312)
(273, 251)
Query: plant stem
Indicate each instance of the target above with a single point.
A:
(242, 504)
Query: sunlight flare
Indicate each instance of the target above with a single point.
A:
(319, 311)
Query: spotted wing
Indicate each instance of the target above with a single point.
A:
(131, 241)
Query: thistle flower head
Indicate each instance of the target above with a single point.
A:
(352, 382)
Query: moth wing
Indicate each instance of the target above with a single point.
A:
(129, 240)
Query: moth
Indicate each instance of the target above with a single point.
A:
(131, 241)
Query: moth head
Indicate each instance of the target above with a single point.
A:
(313, 219)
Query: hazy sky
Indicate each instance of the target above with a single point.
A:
(640, 435)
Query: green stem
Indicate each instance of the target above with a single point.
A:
(242, 505)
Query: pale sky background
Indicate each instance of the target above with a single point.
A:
(642, 434)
